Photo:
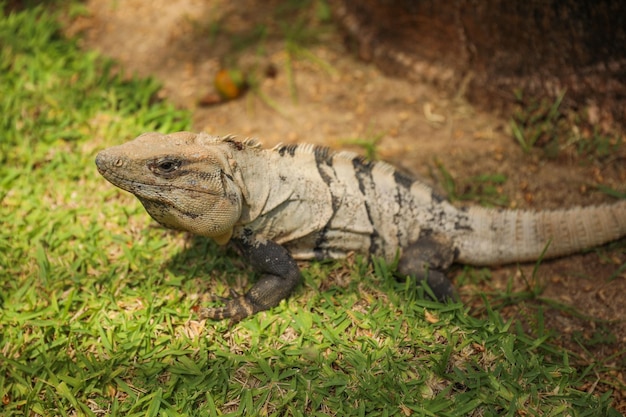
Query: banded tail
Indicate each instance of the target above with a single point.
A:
(508, 236)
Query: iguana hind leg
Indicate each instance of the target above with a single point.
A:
(280, 275)
(426, 259)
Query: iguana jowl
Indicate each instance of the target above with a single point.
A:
(305, 202)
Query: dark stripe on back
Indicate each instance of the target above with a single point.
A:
(323, 165)
(288, 149)
(325, 168)
(403, 188)
(362, 169)
(403, 179)
(363, 174)
(322, 153)
(401, 192)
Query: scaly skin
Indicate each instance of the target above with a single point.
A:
(304, 202)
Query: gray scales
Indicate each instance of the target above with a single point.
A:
(304, 202)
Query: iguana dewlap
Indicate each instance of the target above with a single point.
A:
(305, 202)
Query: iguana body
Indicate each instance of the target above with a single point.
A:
(304, 202)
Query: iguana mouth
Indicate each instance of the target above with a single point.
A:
(126, 183)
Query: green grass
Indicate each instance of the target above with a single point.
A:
(537, 122)
(544, 124)
(97, 303)
(368, 144)
(484, 189)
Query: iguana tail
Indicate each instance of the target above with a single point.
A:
(506, 236)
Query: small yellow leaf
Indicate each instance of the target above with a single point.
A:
(430, 317)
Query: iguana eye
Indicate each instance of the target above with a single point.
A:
(165, 166)
(168, 166)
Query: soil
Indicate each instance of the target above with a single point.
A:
(334, 99)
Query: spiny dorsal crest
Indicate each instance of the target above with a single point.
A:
(325, 154)
(206, 139)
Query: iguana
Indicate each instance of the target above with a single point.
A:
(303, 202)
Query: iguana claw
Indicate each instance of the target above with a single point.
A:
(235, 308)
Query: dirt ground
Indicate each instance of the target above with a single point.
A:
(336, 99)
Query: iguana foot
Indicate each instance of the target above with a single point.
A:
(442, 287)
(235, 309)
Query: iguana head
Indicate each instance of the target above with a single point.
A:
(184, 180)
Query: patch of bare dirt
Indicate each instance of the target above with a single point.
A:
(183, 43)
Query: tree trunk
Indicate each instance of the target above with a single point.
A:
(493, 49)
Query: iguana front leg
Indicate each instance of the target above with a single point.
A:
(280, 275)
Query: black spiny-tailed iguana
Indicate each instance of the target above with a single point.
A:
(305, 202)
